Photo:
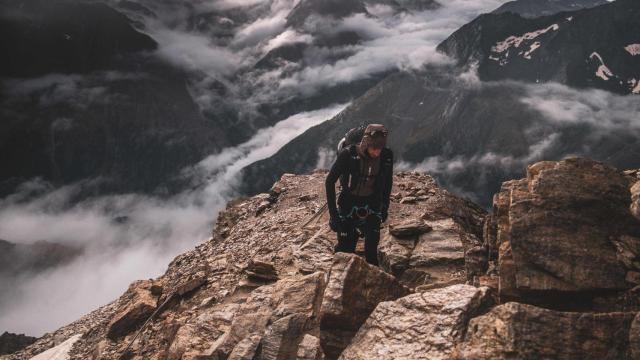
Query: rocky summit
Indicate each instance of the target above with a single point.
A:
(552, 272)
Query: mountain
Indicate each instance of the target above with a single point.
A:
(536, 8)
(560, 48)
(83, 99)
(452, 278)
(475, 124)
(33, 258)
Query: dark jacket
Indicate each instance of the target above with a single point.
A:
(347, 169)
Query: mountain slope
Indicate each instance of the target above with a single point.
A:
(536, 8)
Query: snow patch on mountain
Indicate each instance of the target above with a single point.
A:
(516, 41)
(633, 49)
(60, 352)
(532, 48)
(603, 71)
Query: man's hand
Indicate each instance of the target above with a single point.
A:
(335, 223)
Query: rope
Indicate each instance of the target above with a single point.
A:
(316, 215)
(126, 350)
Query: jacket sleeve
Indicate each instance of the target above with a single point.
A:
(388, 181)
(339, 167)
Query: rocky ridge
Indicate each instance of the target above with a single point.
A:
(454, 282)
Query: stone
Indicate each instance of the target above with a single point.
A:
(192, 283)
(316, 254)
(565, 228)
(281, 339)
(353, 291)
(394, 253)
(521, 331)
(139, 307)
(635, 200)
(261, 270)
(408, 200)
(409, 228)
(634, 338)
(419, 326)
(60, 351)
(309, 349)
(268, 304)
(476, 262)
(246, 349)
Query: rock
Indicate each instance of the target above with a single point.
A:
(282, 338)
(261, 271)
(635, 200)
(309, 349)
(566, 228)
(409, 228)
(270, 303)
(475, 262)
(634, 338)
(419, 326)
(316, 254)
(191, 284)
(408, 200)
(521, 331)
(353, 291)
(137, 310)
(394, 253)
(246, 349)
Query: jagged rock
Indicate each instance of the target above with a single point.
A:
(268, 304)
(409, 228)
(520, 331)
(141, 305)
(565, 228)
(190, 284)
(635, 200)
(316, 254)
(475, 262)
(419, 326)
(309, 349)
(394, 253)
(261, 270)
(634, 338)
(282, 338)
(353, 291)
(408, 200)
(246, 349)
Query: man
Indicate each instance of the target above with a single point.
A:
(365, 171)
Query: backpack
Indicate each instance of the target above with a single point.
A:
(352, 137)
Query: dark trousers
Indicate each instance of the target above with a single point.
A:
(370, 227)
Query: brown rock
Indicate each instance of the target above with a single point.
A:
(408, 200)
(261, 270)
(520, 331)
(309, 349)
(409, 228)
(635, 200)
(316, 254)
(394, 253)
(353, 291)
(419, 326)
(634, 338)
(281, 339)
(246, 349)
(137, 310)
(565, 228)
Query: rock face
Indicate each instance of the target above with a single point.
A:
(419, 326)
(354, 289)
(268, 286)
(10, 343)
(520, 331)
(565, 229)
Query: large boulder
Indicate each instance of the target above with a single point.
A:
(565, 229)
(139, 307)
(521, 331)
(276, 313)
(354, 289)
(419, 326)
(315, 254)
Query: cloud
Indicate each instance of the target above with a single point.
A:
(124, 237)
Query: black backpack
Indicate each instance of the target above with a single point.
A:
(352, 137)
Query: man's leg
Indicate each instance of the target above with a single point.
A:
(347, 238)
(371, 239)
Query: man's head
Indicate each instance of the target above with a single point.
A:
(374, 139)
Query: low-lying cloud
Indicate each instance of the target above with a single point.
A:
(124, 237)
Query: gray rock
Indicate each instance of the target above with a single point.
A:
(309, 349)
(409, 228)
